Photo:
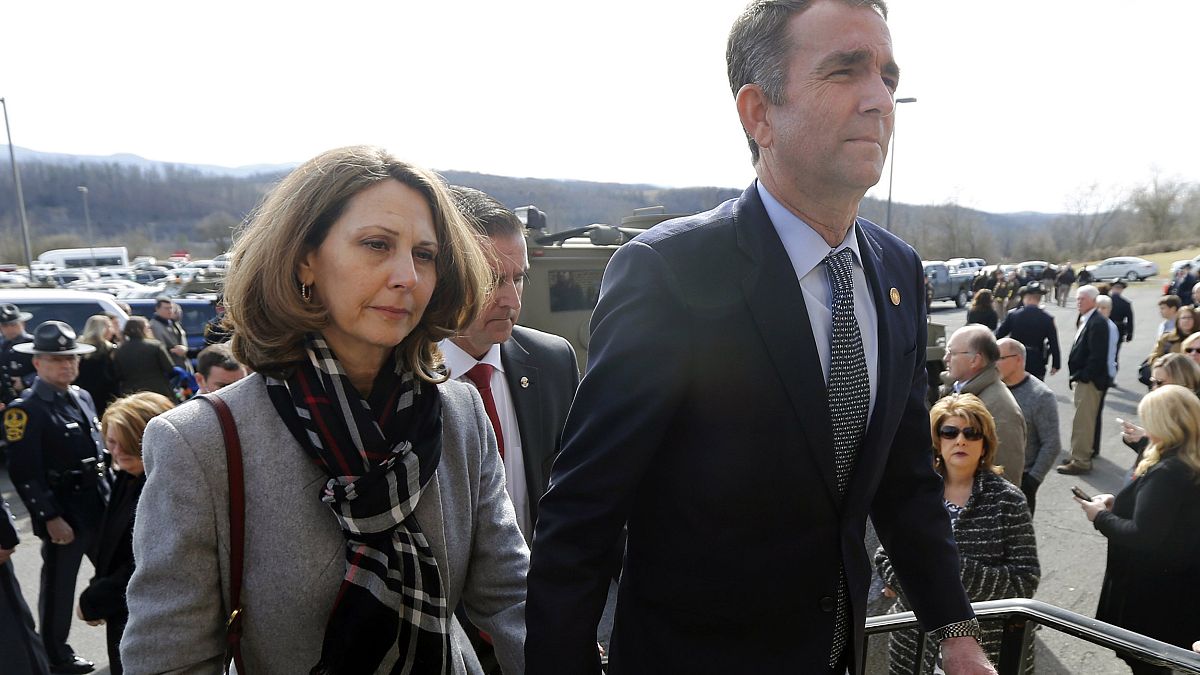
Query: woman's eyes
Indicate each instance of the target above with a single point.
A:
(382, 246)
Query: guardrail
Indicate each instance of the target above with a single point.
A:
(1020, 615)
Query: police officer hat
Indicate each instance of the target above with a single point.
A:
(10, 313)
(54, 337)
(1033, 287)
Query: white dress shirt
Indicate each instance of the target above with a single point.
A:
(807, 251)
(458, 363)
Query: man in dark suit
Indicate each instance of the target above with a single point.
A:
(1088, 365)
(526, 378)
(1033, 327)
(529, 377)
(1122, 312)
(705, 422)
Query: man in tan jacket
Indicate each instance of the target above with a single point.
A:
(971, 357)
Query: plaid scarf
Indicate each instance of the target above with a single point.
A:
(379, 454)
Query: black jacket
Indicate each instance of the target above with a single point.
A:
(1122, 315)
(104, 598)
(1089, 355)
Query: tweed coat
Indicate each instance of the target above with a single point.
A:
(998, 552)
(294, 559)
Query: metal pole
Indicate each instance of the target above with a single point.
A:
(12, 156)
(87, 215)
(887, 225)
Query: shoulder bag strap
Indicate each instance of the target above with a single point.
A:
(237, 531)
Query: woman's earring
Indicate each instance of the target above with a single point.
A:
(306, 293)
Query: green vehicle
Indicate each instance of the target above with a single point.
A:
(565, 270)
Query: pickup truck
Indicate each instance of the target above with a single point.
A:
(947, 285)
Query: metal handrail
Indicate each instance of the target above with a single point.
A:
(1019, 613)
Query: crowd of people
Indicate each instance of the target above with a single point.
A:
(384, 473)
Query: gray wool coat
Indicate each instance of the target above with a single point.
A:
(294, 560)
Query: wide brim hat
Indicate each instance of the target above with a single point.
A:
(10, 313)
(1034, 288)
(54, 338)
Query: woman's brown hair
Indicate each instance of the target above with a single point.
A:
(128, 416)
(262, 290)
(971, 408)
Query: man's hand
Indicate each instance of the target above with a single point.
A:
(60, 532)
(888, 592)
(5, 554)
(964, 656)
(90, 622)
(179, 350)
(1053, 370)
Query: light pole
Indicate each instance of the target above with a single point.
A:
(87, 216)
(12, 156)
(887, 225)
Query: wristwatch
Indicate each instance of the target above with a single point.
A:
(968, 628)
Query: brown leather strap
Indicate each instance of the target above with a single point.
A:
(237, 531)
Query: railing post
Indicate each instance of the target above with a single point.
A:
(1016, 645)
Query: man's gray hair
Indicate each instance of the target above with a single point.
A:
(758, 47)
(1088, 291)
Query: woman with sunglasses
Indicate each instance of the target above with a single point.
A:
(1151, 526)
(1191, 347)
(990, 519)
(1167, 369)
(1171, 341)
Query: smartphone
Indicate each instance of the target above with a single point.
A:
(1081, 494)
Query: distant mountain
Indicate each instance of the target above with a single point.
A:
(126, 159)
(154, 204)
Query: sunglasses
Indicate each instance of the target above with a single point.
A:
(950, 433)
(1193, 350)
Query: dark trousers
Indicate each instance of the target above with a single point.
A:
(1099, 424)
(20, 647)
(56, 597)
(115, 628)
(1029, 486)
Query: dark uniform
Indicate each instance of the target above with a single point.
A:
(14, 364)
(1033, 327)
(56, 460)
(20, 647)
(1122, 315)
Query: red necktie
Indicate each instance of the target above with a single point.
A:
(481, 375)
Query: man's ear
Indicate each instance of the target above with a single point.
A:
(753, 108)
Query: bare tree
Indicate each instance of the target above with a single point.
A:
(1159, 206)
(217, 227)
(1091, 213)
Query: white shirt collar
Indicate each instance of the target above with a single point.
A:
(458, 362)
(804, 245)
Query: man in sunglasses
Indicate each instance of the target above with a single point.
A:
(1042, 440)
(971, 357)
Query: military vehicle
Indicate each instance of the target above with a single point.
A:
(565, 269)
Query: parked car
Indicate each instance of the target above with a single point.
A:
(73, 307)
(196, 313)
(1194, 262)
(947, 285)
(1034, 268)
(971, 265)
(1123, 267)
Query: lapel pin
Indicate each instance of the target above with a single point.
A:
(895, 296)
(524, 382)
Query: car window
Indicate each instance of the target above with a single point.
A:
(74, 313)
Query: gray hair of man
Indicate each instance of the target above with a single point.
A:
(1016, 346)
(758, 48)
(1088, 291)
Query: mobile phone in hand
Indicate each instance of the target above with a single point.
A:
(1081, 494)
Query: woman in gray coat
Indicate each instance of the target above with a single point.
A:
(374, 493)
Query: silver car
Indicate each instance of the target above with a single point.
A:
(1123, 267)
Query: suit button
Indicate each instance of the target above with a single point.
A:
(827, 604)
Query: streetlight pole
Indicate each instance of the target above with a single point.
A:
(12, 156)
(87, 216)
(892, 165)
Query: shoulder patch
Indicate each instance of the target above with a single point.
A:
(15, 420)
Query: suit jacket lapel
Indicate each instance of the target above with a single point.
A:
(872, 261)
(519, 363)
(776, 303)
